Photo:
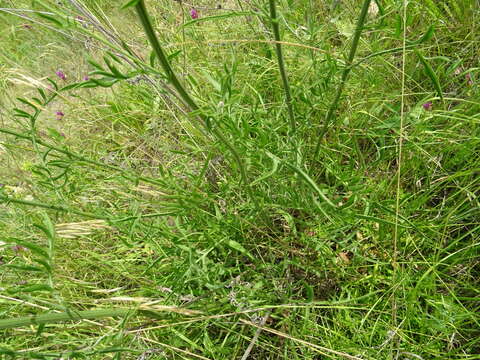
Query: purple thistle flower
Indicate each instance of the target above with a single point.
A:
(194, 13)
(428, 105)
(60, 115)
(61, 74)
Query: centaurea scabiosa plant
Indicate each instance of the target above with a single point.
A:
(185, 96)
(348, 67)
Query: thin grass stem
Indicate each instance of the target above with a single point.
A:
(343, 81)
(281, 63)
(149, 31)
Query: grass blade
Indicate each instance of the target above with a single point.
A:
(430, 73)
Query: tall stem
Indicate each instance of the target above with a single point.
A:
(281, 63)
(346, 71)
(147, 26)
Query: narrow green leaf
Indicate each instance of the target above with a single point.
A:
(30, 246)
(40, 330)
(50, 18)
(45, 264)
(105, 82)
(24, 267)
(44, 229)
(270, 173)
(115, 57)
(430, 73)
(152, 58)
(95, 65)
(8, 352)
(129, 4)
(49, 318)
(42, 94)
(174, 55)
(72, 86)
(37, 100)
(28, 103)
(425, 37)
(53, 83)
(219, 17)
(30, 288)
(21, 113)
(313, 185)
(238, 247)
(117, 74)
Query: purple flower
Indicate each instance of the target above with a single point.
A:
(468, 77)
(81, 20)
(86, 78)
(194, 13)
(60, 115)
(19, 248)
(428, 105)
(61, 74)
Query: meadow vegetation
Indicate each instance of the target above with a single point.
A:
(271, 180)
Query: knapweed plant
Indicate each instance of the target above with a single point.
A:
(239, 179)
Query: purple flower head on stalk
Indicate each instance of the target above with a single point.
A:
(428, 105)
(86, 78)
(194, 13)
(61, 74)
(60, 115)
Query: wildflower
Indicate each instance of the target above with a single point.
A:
(82, 21)
(61, 74)
(468, 77)
(86, 78)
(19, 248)
(194, 13)
(60, 115)
(428, 105)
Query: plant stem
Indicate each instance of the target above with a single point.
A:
(281, 63)
(9, 199)
(77, 157)
(61, 317)
(147, 26)
(346, 71)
